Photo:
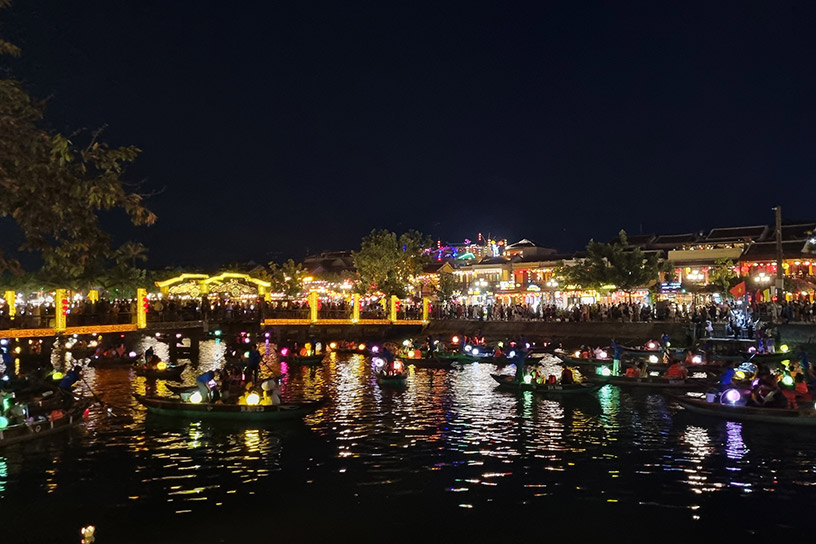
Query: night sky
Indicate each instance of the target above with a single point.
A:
(280, 127)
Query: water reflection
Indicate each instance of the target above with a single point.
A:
(450, 438)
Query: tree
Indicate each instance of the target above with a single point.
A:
(388, 263)
(54, 186)
(616, 265)
(448, 287)
(722, 275)
(287, 278)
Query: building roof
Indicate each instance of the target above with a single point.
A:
(521, 244)
(670, 241)
(799, 231)
(766, 251)
(756, 233)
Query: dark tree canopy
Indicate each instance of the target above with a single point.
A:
(54, 186)
(617, 264)
(387, 262)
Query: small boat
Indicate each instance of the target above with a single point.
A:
(43, 426)
(312, 360)
(654, 382)
(391, 380)
(435, 362)
(175, 407)
(785, 416)
(509, 382)
(172, 372)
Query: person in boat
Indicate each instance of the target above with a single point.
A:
(204, 383)
(70, 378)
(633, 371)
(253, 364)
(727, 376)
(120, 350)
(148, 354)
(767, 393)
(688, 357)
(664, 341)
(498, 353)
(677, 371)
(271, 392)
(617, 352)
(521, 355)
(800, 386)
(567, 377)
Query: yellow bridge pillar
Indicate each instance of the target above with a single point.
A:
(393, 308)
(355, 308)
(11, 298)
(313, 306)
(142, 307)
(93, 295)
(426, 306)
(61, 307)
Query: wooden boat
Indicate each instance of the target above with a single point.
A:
(43, 426)
(510, 383)
(175, 407)
(654, 382)
(391, 380)
(785, 416)
(172, 372)
(434, 362)
(309, 360)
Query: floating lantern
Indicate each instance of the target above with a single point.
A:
(361, 347)
(132, 354)
(468, 348)
(397, 365)
(577, 354)
(374, 349)
(406, 343)
(784, 348)
(475, 351)
(739, 374)
(651, 345)
(284, 351)
(455, 339)
(333, 345)
(696, 359)
(253, 399)
(528, 378)
(3, 422)
(603, 354)
(787, 380)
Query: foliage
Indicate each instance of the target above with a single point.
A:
(54, 186)
(388, 263)
(722, 275)
(449, 287)
(617, 265)
(287, 278)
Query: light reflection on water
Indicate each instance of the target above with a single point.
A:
(450, 437)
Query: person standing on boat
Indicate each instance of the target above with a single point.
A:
(253, 364)
(725, 379)
(521, 355)
(70, 378)
(148, 354)
(617, 352)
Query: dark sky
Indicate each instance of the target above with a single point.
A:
(280, 126)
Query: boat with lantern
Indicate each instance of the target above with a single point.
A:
(162, 371)
(395, 379)
(177, 407)
(113, 362)
(309, 360)
(508, 382)
(42, 426)
(740, 412)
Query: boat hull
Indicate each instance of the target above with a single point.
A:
(509, 383)
(175, 408)
(25, 432)
(785, 416)
(652, 382)
(172, 373)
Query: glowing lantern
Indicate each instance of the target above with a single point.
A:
(752, 349)
(132, 354)
(455, 339)
(604, 371)
(784, 348)
(732, 396)
(3, 422)
(361, 347)
(284, 351)
(577, 354)
(475, 351)
(161, 365)
(651, 345)
(397, 365)
(603, 355)
(468, 348)
(333, 345)
(528, 378)
(739, 374)
(787, 380)
(58, 375)
(196, 398)
(253, 399)
(378, 362)
(374, 349)
(696, 359)
(406, 343)
(652, 358)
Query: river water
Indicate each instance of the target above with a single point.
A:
(450, 457)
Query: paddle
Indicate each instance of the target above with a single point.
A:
(108, 407)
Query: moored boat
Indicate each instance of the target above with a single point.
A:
(43, 426)
(384, 379)
(176, 407)
(112, 362)
(785, 416)
(434, 362)
(509, 382)
(304, 360)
